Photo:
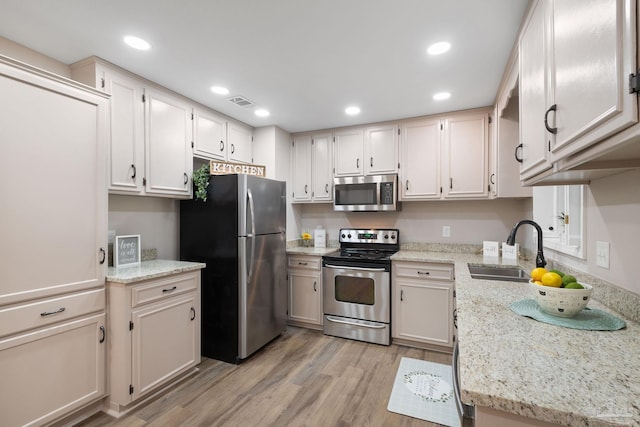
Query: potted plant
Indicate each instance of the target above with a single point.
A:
(201, 182)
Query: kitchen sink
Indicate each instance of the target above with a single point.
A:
(494, 272)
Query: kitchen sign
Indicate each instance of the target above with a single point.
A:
(226, 168)
(126, 251)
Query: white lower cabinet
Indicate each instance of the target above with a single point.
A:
(155, 328)
(49, 372)
(305, 291)
(422, 303)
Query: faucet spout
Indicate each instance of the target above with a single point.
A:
(511, 240)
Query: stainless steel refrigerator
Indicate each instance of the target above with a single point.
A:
(239, 232)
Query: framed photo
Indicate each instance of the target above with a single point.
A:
(126, 251)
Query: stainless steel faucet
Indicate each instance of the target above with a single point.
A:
(511, 240)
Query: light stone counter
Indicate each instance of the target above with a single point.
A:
(301, 250)
(519, 365)
(150, 270)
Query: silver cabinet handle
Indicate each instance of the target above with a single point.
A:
(334, 320)
(49, 313)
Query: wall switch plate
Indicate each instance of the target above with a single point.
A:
(446, 231)
(602, 254)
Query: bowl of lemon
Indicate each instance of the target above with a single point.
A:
(559, 294)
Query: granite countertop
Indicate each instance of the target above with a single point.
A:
(301, 250)
(150, 270)
(519, 365)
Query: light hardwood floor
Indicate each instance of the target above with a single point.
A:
(303, 378)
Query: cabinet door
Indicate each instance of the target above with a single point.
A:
(240, 143)
(169, 156)
(164, 342)
(126, 142)
(301, 169)
(423, 311)
(594, 43)
(466, 157)
(420, 160)
(305, 296)
(322, 168)
(348, 150)
(49, 372)
(382, 145)
(534, 89)
(209, 135)
(53, 187)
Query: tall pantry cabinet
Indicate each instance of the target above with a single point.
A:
(52, 259)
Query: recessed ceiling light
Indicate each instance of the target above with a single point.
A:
(441, 96)
(261, 112)
(137, 43)
(438, 48)
(219, 90)
(352, 111)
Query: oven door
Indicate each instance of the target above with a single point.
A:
(357, 292)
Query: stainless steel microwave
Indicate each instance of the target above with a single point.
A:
(366, 193)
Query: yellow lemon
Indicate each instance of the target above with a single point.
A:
(552, 279)
(537, 273)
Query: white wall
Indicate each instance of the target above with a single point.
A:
(612, 215)
(156, 219)
(471, 222)
(24, 54)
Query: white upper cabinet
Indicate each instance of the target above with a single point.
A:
(534, 92)
(348, 152)
(209, 135)
(576, 59)
(594, 52)
(381, 150)
(301, 168)
(312, 168)
(240, 140)
(169, 162)
(420, 160)
(445, 157)
(322, 168)
(465, 156)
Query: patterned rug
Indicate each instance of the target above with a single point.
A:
(424, 390)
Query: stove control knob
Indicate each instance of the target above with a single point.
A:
(343, 236)
(386, 236)
(349, 235)
(393, 236)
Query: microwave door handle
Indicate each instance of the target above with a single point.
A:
(341, 267)
(251, 235)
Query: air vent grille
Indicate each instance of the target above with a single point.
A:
(241, 101)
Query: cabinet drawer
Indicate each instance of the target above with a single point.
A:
(32, 315)
(310, 263)
(164, 288)
(424, 270)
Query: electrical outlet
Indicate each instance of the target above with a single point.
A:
(602, 254)
(446, 231)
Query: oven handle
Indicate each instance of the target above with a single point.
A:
(466, 411)
(354, 268)
(333, 319)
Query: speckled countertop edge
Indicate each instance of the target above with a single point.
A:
(150, 270)
(518, 365)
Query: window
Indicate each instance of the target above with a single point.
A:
(559, 211)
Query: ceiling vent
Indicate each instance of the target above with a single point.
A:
(241, 101)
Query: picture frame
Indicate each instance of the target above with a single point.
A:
(126, 251)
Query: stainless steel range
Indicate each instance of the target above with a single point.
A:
(357, 285)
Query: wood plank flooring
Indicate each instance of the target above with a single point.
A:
(303, 378)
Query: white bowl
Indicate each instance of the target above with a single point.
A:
(561, 302)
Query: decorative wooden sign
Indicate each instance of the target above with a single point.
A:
(126, 251)
(226, 168)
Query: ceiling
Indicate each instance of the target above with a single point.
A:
(305, 61)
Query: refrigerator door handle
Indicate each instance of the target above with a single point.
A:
(252, 234)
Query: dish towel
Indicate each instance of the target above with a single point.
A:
(589, 319)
